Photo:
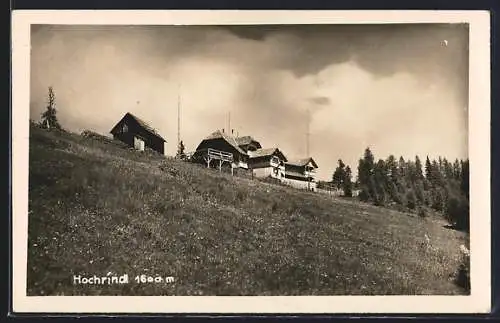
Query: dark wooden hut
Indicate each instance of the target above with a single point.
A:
(138, 134)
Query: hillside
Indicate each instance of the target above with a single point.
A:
(97, 207)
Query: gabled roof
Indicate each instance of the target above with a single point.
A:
(302, 162)
(266, 152)
(141, 123)
(229, 139)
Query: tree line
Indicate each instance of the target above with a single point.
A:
(437, 184)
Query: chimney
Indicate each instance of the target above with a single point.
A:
(232, 131)
(222, 130)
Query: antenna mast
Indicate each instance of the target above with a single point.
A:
(308, 131)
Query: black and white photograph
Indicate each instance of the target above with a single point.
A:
(252, 159)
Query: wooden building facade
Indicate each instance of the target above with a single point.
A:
(301, 173)
(222, 149)
(138, 134)
(267, 162)
(245, 154)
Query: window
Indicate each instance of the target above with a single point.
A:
(124, 128)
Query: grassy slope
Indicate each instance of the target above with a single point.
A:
(97, 207)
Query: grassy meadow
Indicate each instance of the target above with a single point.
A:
(97, 207)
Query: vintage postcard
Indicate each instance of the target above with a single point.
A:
(251, 161)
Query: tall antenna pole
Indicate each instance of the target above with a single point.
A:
(307, 143)
(308, 131)
(178, 116)
(229, 123)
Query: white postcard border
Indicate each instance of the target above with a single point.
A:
(479, 155)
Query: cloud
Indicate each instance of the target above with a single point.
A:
(320, 100)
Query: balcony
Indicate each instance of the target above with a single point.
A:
(275, 162)
(310, 173)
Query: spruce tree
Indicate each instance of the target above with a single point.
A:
(448, 169)
(339, 175)
(428, 169)
(464, 178)
(411, 173)
(180, 150)
(381, 183)
(365, 175)
(418, 167)
(436, 178)
(456, 169)
(369, 160)
(347, 183)
(392, 168)
(402, 167)
(411, 199)
(49, 118)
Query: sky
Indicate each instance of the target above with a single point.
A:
(399, 89)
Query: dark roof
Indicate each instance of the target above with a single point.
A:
(229, 139)
(244, 140)
(302, 162)
(265, 152)
(142, 124)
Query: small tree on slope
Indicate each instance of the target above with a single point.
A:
(49, 118)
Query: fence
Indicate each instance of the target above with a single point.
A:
(219, 155)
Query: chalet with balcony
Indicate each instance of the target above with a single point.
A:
(221, 150)
(268, 162)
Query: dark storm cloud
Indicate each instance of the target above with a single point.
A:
(382, 49)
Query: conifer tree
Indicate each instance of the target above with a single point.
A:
(448, 169)
(444, 188)
(428, 169)
(411, 173)
(435, 174)
(49, 118)
(456, 169)
(402, 167)
(339, 175)
(347, 184)
(180, 150)
(392, 168)
(418, 168)
(411, 199)
(464, 178)
(365, 175)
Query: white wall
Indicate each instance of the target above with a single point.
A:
(266, 172)
(263, 172)
(139, 144)
(298, 184)
(333, 192)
